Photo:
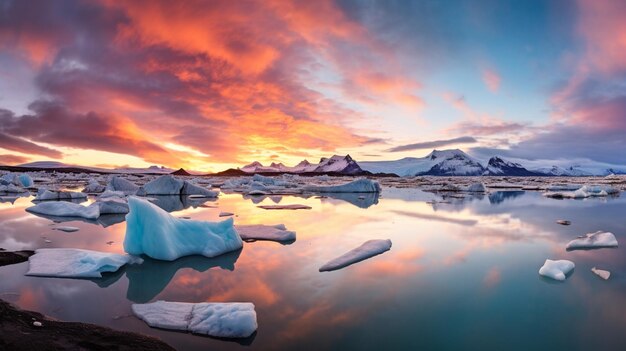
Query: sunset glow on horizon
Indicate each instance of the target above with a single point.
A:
(209, 85)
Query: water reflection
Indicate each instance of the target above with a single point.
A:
(463, 265)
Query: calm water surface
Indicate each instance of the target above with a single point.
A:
(462, 274)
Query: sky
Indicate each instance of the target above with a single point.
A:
(208, 85)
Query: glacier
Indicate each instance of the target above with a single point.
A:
(157, 234)
(217, 319)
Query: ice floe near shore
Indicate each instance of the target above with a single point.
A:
(357, 186)
(595, 240)
(65, 209)
(556, 270)
(157, 234)
(369, 249)
(265, 232)
(76, 263)
(222, 320)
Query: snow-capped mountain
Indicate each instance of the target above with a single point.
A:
(334, 164)
(499, 166)
(438, 162)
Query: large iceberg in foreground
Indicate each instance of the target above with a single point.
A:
(76, 263)
(595, 240)
(369, 249)
(155, 233)
(265, 232)
(357, 186)
(556, 270)
(222, 320)
(65, 209)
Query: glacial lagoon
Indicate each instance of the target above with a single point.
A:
(461, 274)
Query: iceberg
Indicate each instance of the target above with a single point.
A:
(26, 180)
(65, 209)
(595, 240)
(111, 205)
(123, 185)
(93, 187)
(169, 185)
(369, 249)
(157, 234)
(556, 270)
(265, 232)
(222, 320)
(357, 186)
(11, 188)
(49, 195)
(601, 273)
(76, 263)
(476, 188)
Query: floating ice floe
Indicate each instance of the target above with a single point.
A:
(563, 187)
(94, 187)
(556, 270)
(357, 186)
(601, 273)
(123, 185)
(226, 214)
(582, 192)
(11, 188)
(65, 209)
(19, 180)
(476, 188)
(169, 185)
(76, 263)
(265, 232)
(222, 320)
(51, 195)
(563, 222)
(155, 233)
(111, 205)
(66, 229)
(369, 249)
(285, 207)
(595, 240)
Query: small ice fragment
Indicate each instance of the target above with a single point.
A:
(601, 273)
(66, 229)
(226, 214)
(285, 207)
(563, 222)
(37, 324)
(265, 232)
(369, 249)
(556, 269)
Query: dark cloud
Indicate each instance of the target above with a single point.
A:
(433, 144)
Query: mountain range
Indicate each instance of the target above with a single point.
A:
(437, 163)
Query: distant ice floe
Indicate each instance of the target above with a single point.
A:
(262, 185)
(53, 195)
(157, 234)
(368, 249)
(601, 273)
(123, 185)
(169, 185)
(11, 188)
(93, 187)
(76, 263)
(222, 320)
(595, 240)
(20, 180)
(556, 270)
(66, 229)
(357, 186)
(576, 191)
(65, 209)
(265, 232)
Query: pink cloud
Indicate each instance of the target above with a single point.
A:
(491, 79)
